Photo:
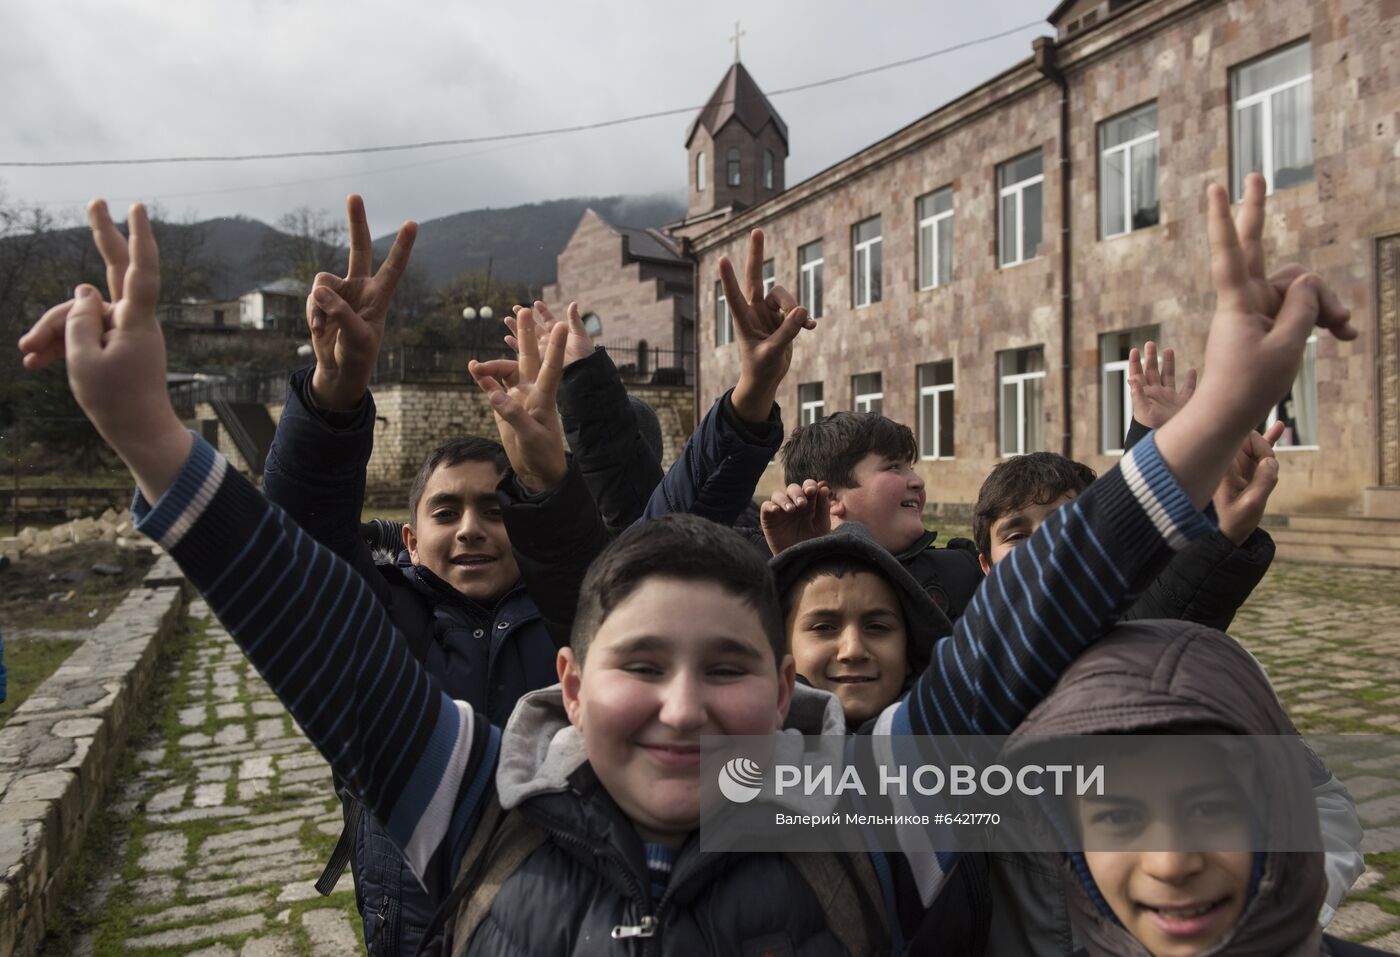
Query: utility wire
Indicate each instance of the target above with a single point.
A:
(499, 137)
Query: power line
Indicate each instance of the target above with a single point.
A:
(499, 137)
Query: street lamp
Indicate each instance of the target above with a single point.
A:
(469, 313)
(304, 350)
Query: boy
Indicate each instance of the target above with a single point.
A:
(648, 680)
(1160, 898)
(455, 591)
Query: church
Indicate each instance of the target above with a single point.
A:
(981, 273)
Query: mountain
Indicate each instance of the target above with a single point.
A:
(522, 241)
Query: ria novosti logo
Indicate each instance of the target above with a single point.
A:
(740, 780)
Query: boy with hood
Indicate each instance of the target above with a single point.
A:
(1174, 678)
(670, 659)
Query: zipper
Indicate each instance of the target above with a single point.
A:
(648, 925)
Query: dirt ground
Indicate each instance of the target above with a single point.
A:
(61, 591)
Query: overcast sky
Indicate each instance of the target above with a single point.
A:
(90, 79)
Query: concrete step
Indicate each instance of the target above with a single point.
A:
(1295, 536)
(1343, 523)
(1339, 554)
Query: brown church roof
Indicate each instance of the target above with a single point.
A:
(737, 96)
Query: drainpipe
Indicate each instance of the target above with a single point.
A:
(1044, 48)
(688, 251)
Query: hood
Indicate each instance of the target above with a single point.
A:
(1158, 676)
(924, 621)
(540, 749)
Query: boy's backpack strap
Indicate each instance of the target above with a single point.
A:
(849, 893)
(352, 811)
(489, 862)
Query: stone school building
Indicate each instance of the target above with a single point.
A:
(982, 273)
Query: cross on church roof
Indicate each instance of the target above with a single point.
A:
(735, 39)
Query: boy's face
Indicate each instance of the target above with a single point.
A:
(847, 636)
(1015, 527)
(675, 661)
(888, 499)
(458, 535)
(1178, 903)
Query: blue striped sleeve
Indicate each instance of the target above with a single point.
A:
(1049, 599)
(421, 762)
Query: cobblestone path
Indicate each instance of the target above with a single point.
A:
(219, 834)
(229, 816)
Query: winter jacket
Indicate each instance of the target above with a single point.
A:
(611, 446)
(426, 768)
(1154, 677)
(489, 656)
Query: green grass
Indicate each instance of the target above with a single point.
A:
(28, 661)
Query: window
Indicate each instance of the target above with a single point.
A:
(1115, 399)
(767, 169)
(218, 317)
(768, 279)
(593, 325)
(732, 162)
(810, 402)
(936, 410)
(1298, 410)
(935, 215)
(867, 393)
(809, 283)
(1128, 172)
(724, 322)
(1272, 119)
(1022, 399)
(1019, 185)
(700, 171)
(865, 262)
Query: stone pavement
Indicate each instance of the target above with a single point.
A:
(229, 815)
(218, 836)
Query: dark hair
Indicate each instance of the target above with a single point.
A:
(682, 547)
(467, 448)
(1037, 478)
(829, 449)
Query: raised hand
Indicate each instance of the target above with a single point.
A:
(116, 354)
(579, 345)
(1244, 491)
(795, 514)
(346, 314)
(765, 327)
(523, 397)
(1154, 394)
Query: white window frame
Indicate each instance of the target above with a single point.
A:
(860, 263)
(770, 267)
(1107, 369)
(809, 274)
(724, 322)
(1266, 128)
(1126, 149)
(1273, 413)
(930, 223)
(700, 171)
(935, 391)
(1018, 190)
(863, 400)
(810, 410)
(733, 167)
(1019, 379)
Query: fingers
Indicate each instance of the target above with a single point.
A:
(1189, 388)
(738, 305)
(780, 300)
(543, 316)
(1135, 371)
(576, 326)
(793, 323)
(507, 409)
(1229, 271)
(1169, 369)
(338, 313)
(527, 337)
(361, 244)
(393, 267)
(43, 343)
(1272, 434)
(83, 331)
(790, 499)
(110, 244)
(1297, 317)
(753, 267)
(1149, 364)
(547, 384)
(1249, 224)
(506, 371)
(315, 315)
(141, 288)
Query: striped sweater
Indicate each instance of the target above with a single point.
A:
(423, 763)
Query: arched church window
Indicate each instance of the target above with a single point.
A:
(733, 164)
(767, 169)
(700, 171)
(592, 325)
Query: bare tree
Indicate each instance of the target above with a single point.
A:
(307, 241)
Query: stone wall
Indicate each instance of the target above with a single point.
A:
(1178, 54)
(59, 751)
